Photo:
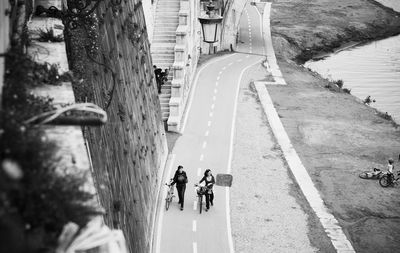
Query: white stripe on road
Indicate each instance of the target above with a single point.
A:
(194, 226)
(230, 63)
(220, 72)
(195, 205)
(216, 83)
(212, 106)
(211, 114)
(198, 171)
(201, 157)
(204, 144)
(215, 90)
(194, 247)
(207, 133)
(218, 77)
(209, 123)
(214, 98)
(193, 89)
(223, 68)
(328, 221)
(229, 169)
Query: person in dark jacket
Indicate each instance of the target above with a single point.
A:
(209, 182)
(157, 73)
(180, 179)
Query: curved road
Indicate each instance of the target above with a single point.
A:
(206, 142)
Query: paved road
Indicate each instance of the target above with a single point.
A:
(206, 143)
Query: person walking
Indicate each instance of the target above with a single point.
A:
(180, 179)
(209, 181)
(157, 73)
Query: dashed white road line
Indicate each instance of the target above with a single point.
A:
(194, 88)
(219, 73)
(239, 60)
(198, 171)
(211, 114)
(212, 106)
(209, 123)
(230, 63)
(216, 83)
(223, 68)
(201, 157)
(215, 91)
(207, 133)
(194, 225)
(195, 204)
(214, 98)
(218, 77)
(194, 247)
(204, 144)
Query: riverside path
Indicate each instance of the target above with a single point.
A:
(206, 143)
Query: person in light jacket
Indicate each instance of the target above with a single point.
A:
(209, 181)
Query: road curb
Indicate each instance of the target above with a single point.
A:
(271, 64)
(155, 242)
(328, 221)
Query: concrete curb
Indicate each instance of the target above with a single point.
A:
(161, 172)
(328, 221)
(159, 214)
(271, 64)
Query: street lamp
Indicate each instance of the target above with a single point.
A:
(210, 23)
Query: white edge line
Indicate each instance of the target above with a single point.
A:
(229, 169)
(161, 215)
(195, 87)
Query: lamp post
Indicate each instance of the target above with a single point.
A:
(210, 25)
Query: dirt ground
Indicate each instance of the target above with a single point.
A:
(335, 134)
(268, 211)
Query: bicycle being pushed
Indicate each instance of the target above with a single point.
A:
(170, 194)
(201, 192)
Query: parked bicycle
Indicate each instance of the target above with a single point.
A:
(374, 174)
(170, 194)
(201, 191)
(385, 181)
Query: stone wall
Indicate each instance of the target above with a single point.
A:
(230, 23)
(129, 152)
(149, 11)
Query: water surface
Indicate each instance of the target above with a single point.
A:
(368, 70)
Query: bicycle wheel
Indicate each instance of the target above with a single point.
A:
(384, 181)
(200, 203)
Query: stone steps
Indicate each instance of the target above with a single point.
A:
(163, 45)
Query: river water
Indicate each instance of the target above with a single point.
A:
(368, 70)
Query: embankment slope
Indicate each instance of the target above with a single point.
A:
(335, 134)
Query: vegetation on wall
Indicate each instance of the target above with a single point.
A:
(38, 196)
